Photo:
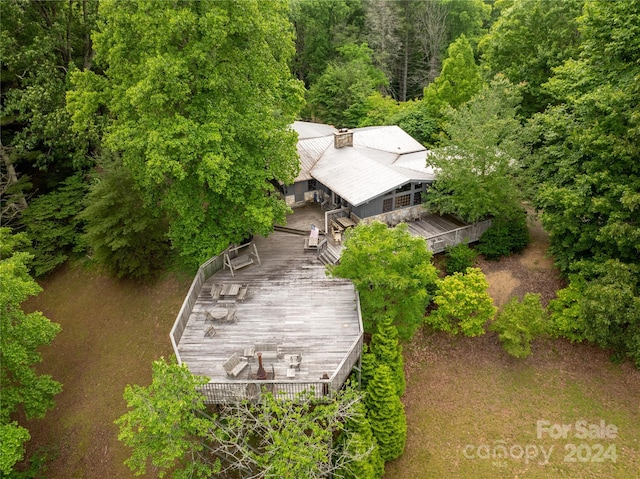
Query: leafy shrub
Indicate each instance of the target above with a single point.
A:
(518, 323)
(505, 236)
(459, 258)
(464, 305)
(602, 305)
(53, 226)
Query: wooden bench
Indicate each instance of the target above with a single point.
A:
(268, 350)
(235, 365)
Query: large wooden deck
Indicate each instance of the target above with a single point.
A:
(291, 302)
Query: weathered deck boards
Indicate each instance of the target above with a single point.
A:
(430, 225)
(290, 301)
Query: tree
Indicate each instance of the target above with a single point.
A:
(386, 414)
(392, 272)
(383, 36)
(161, 424)
(459, 258)
(507, 234)
(463, 304)
(53, 226)
(340, 95)
(362, 447)
(602, 305)
(320, 29)
(530, 39)
(41, 42)
(169, 425)
(459, 80)
(469, 17)
(478, 162)
(518, 323)
(21, 335)
(126, 237)
(585, 164)
(387, 350)
(199, 98)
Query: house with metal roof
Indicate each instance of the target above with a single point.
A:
(376, 172)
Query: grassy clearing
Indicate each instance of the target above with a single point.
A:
(460, 392)
(466, 396)
(111, 332)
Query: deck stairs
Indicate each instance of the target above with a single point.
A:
(329, 255)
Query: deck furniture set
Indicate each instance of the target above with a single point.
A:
(237, 363)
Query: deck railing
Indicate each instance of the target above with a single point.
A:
(205, 271)
(219, 393)
(252, 390)
(464, 234)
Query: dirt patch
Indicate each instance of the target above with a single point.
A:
(502, 284)
(531, 271)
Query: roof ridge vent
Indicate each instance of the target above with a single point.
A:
(343, 138)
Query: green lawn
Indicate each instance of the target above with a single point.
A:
(465, 398)
(461, 393)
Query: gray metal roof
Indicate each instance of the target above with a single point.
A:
(381, 159)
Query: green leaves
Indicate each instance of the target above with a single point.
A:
(53, 225)
(199, 99)
(161, 424)
(340, 96)
(464, 305)
(518, 323)
(602, 305)
(386, 414)
(125, 236)
(477, 163)
(21, 336)
(392, 272)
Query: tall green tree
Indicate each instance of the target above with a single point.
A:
(386, 414)
(321, 28)
(459, 80)
(362, 448)
(340, 96)
(168, 426)
(585, 163)
(126, 237)
(24, 391)
(477, 166)
(53, 225)
(386, 349)
(199, 98)
(528, 40)
(161, 424)
(40, 43)
(601, 305)
(392, 272)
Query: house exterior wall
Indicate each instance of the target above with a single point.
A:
(403, 198)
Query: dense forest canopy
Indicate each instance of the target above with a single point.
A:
(134, 129)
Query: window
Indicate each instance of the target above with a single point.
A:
(417, 186)
(387, 205)
(311, 185)
(402, 201)
(406, 187)
(417, 198)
